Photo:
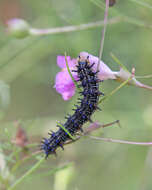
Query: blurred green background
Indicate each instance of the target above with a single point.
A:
(29, 67)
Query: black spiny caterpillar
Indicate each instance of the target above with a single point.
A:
(87, 105)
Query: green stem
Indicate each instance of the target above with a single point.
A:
(72, 137)
(76, 84)
(115, 90)
(20, 162)
(118, 62)
(72, 28)
(142, 3)
(29, 172)
(103, 33)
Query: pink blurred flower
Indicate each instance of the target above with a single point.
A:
(63, 82)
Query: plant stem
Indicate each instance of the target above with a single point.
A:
(76, 84)
(121, 141)
(115, 90)
(103, 33)
(144, 77)
(142, 3)
(39, 32)
(29, 172)
(118, 62)
(72, 137)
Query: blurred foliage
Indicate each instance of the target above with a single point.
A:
(28, 68)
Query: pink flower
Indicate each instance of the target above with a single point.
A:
(62, 63)
(65, 86)
(63, 82)
(104, 71)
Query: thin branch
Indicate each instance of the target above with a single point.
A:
(137, 22)
(29, 172)
(133, 81)
(121, 141)
(20, 162)
(93, 126)
(67, 66)
(96, 125)
(66, 131)
(118, 61)
(144, 77)
(115, 90)
(103, 33)
(142, 3)
(39, 32)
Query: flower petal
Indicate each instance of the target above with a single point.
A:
(64, 84)
(105, 72)
(68, 94)
(62, 63)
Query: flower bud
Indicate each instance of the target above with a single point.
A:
(18, 28)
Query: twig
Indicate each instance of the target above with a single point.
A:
(17, 182)
(137, 22)
(133, 81)
(142, 3)
(121, 141)
(144, 77)
(24, 159)
(67, 66)
(115, 90)
(103, 33)
(66, 131)
(118, 62)
(39, 32)
(96, 125)
(93, 126)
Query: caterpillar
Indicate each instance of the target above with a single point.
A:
(89, 83)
